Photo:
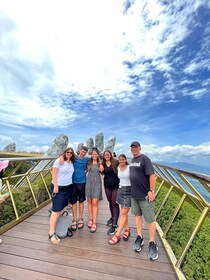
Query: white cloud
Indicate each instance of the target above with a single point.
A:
(35, 149)
(75, 63)
(197, 94)
(177, 151)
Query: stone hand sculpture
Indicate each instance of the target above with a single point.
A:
(10, 147)
(99, 143)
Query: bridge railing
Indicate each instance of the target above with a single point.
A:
(183, 210)
(28, 181)
(182, 200)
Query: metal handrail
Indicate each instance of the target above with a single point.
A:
(173, 179)
(37, 171)
(185, 183)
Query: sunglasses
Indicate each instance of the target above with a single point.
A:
(69, 153)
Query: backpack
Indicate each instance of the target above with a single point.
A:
(63, 226)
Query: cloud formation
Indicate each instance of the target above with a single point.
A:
(133, 69)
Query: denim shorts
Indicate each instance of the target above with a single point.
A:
(124, 196)
(143, 208)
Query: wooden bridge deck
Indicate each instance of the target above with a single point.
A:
(26, 253)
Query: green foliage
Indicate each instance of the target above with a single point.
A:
(196, 264)
(159, 198)
(24, 201)
(24, 167)
(182, 228)
(7, 213)
(168, 210)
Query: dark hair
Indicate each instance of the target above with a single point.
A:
(114, 162)
(90, 162)
(66, 150)
(84, 148)
(124, 156)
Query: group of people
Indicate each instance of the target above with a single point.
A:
(77, 177)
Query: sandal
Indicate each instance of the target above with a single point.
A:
(74, 225)
(90, 223)
(114, 240)
(93, 228)
(54, 238)
(80, 223)
(126, 234)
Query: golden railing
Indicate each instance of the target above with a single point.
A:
(189, 190)
(28, 180)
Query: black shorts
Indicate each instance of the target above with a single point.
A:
(77, 193)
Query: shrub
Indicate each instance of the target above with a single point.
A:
(197, 260)
(23, 200)
(196, 264)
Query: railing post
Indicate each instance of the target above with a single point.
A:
(197, 227)
(12, 199)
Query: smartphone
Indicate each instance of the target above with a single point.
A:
(147, 198)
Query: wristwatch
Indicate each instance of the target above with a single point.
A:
(153, 191)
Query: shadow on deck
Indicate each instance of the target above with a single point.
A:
(26, 253)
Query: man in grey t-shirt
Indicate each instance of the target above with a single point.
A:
(142, 178)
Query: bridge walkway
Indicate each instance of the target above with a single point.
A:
(26, 253)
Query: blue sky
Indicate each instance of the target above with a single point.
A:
(136, 70)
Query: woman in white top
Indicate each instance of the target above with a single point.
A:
(61, 188)
(123, 199)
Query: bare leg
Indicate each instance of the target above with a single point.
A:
(152, 230)
(90, 208)
(81, 209)
(95, 209)
(53, 221)
(74, 211)
(123, 220)
(138, 222)
(126, 222)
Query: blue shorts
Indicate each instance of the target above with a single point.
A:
(77, 193)
(60, 200)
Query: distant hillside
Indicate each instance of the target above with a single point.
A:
(188, 166)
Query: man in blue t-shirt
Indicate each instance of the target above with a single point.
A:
(142, 178)
(78, 188)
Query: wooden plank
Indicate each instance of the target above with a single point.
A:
(65, 268)
(16, 273)
(55, 269)
(84, 256)
(90, 241)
